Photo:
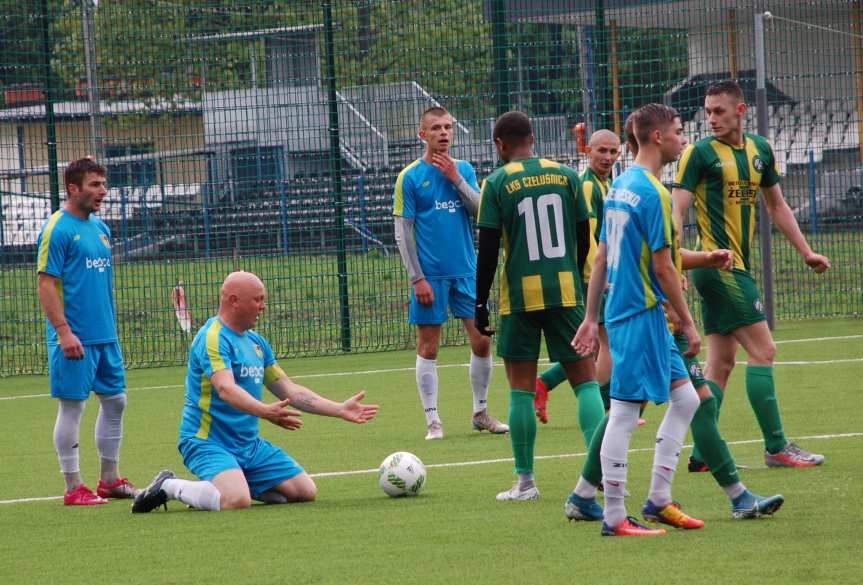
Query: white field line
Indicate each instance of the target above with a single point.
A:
(489, 461)
(496, 364)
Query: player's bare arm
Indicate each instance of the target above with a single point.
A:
(784, 219)
(669, 281)
(721, 259)
(586, 338)
(681, 202)
(276, 412)
(305, 399)
(53, 308)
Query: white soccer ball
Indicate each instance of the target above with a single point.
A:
(402, 474)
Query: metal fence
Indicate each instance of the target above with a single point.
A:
(267, 135)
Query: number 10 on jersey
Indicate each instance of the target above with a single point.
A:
(540, 217)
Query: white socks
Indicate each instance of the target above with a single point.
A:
(66, 429)
(201, 495)
(585, 489)
(622, 420)
(734, 490)
(480, 379)
(683, 402)
(426, 371)
(109, 433)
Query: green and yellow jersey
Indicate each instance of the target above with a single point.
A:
(725, 180)
(594, 190)
(536, 204)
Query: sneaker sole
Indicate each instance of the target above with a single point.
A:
(659, 520)
(802, 464)
(480, 429)
(751, 515)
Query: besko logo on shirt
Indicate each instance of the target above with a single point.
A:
(450, 205)
(426, 183)
(105, 241)
(256, 372)
(98, 263)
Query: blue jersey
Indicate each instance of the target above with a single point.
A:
(217, 347)
(637, 223)
(78, 252)
(441, 224)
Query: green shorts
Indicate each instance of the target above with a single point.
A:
(729, 300)
(693, 366)
(519, 334)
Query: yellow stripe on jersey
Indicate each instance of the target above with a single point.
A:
(206, 399)
(505, 304)
(754, 179)
(665, 200)
(213, 346)
(513, 168)
(646, 257)
(548, 164)
(684, 162)
(531, 287)
(42, 263)
(567, 289)
(399, 202)
(273, 373)
(204, 404)
(587, 191)
(731, 206)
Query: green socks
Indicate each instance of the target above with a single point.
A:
(762, 397)
(592, 470)
(710, 445)
(719, 394)
(522, 429)
(553, 377)
(590, 409)
(605, 392)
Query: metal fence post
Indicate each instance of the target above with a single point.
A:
(336, 170)
(813, 199)
(50, 122)
(500, 72)
(764, 224)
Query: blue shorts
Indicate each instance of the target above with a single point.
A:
(645, 358)
(264, 465)
(100, 371)
(457, 294)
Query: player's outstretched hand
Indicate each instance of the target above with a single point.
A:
(446, 165)
(424, 292)
(721, 259)
(353, 410)
(480, 319)
(586, 340)
(692, 338)
(278, 414)
(817, 262)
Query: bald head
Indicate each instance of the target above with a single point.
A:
(603, 137)
(603, 149)
(243, 300)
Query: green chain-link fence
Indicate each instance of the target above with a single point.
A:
(267, 135)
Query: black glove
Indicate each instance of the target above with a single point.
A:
(480, 319)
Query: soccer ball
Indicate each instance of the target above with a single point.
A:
(402, 474)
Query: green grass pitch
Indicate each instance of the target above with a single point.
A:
(455, 532)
